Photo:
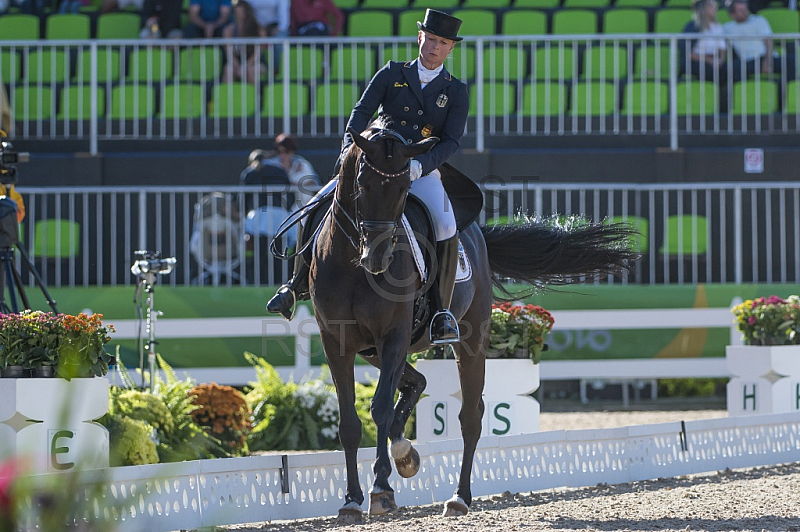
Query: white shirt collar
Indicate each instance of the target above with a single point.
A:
(425, 75)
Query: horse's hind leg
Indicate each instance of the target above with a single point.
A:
(406, 458)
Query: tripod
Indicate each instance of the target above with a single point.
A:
(11, 278)
(145, 284)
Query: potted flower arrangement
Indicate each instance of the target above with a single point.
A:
(766, 370)
(517, 335)
(45, 342)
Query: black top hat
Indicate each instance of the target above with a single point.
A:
(441, 24)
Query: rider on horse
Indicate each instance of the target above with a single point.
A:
(424, 100)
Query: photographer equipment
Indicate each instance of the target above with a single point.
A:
(146, 266)
(9, 158)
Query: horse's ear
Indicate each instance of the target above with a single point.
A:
(418, 148)
(359, 141)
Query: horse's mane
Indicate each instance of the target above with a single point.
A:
(348, 167)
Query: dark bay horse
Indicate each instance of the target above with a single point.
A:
(364, 283)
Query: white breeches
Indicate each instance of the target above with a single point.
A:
(430, 191)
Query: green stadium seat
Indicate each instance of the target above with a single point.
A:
(398, 52)
(274, 100)
(56, 239)
(639, 243)
(370, 24)
(671, 20)
(648, 98)
(792, 105)
(352, 63)
(622, 20)
(119, 25)
(183, 100)
(537, 4)
(235, 99)
(491, 4)
(504, 61)
(108, 66)
(10, 66)
(651, 62)
(679, 4)
(523, 22)
(76, 100)
(146, 65)
(586, 4)
(696, 98)
(605, 61)
(435, 4)
(574, 22)
(305, 62)
(476, 22)
(544, 99)
(461, 62)
(755, 97)
(782, 19)
(593, 98)
(636, 3)
(132, 101)
(341, 4)
(68, 26)
(498, 99)
(335, 99)
(723, 16)
(19, 27)
(47, 66)
(554, 63)
(407, 22)
(686, 235)
(32, 102)
(384, 4)
(200, 63)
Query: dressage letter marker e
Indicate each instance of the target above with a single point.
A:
(57, 438)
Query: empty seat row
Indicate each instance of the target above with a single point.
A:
(194, 100)
(70, 26)
(448, 5)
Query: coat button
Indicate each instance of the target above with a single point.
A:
(410, 141)
(416, 127)
(405, 108)
(419, 112)
(403, 123)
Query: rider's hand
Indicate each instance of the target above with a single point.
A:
(415, 169)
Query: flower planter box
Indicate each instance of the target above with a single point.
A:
(766, 379)
(51, 422)
(509, 407)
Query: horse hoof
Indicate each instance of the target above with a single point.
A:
(455, 507)
(351, 514)
(406, 458)
(381, 503)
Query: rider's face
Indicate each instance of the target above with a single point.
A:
(433, 50)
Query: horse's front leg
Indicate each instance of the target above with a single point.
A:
(392, 362)
(341, 368)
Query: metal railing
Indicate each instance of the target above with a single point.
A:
(524, 86)
(699, 233)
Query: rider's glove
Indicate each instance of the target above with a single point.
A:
(415, 169)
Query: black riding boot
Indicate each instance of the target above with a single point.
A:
(283, 302)
(444, 326)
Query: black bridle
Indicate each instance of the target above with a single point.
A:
(363, 227)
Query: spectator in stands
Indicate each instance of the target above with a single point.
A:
(273, 16)
(302, 175)
(28, 7)
(162, 18)
(72, 6)
(751, 55)
(706, 49)
(6, 118)
(315, 17)
(207, 18)
(244, 25)
(109, 6)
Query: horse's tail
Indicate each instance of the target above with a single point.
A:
(557, 254)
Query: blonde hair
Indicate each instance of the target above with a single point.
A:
(699, 13)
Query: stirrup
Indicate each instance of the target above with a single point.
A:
(454, 335)
(286, 311)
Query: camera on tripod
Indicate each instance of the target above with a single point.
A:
(151, 262)
(9, 158)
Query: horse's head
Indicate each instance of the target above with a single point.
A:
(382, 183)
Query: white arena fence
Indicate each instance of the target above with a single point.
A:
(191, 495)
(691, 233)
(521, 86)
